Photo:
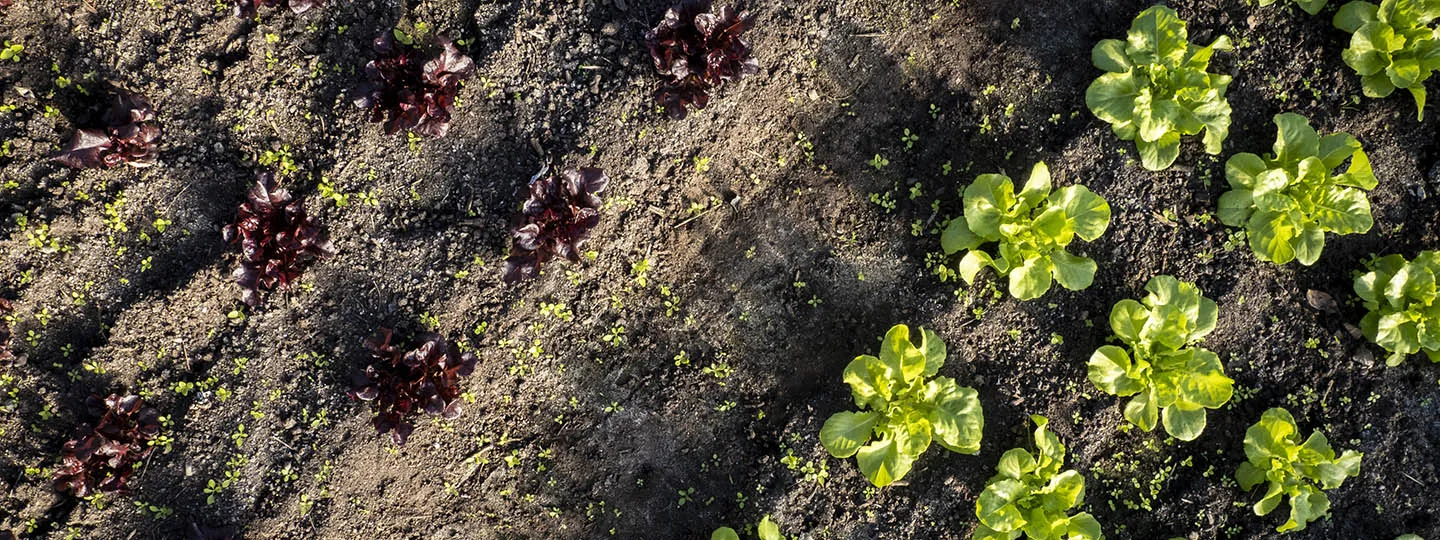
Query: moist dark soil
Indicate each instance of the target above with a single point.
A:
(675, 380)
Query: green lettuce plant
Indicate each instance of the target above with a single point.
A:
(1274, 454)
(1310, 6)
(1404, 305)
(1392, 45)
(767, 530)
(1032, 229)
(909, 407)
(1030, 496)
(1288, 200)
(1170, 375)
(1156, 88)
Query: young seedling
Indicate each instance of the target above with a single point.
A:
(1032, 229)
(101, 458)
(555, 222)
(1288, 200)
(417, 95)
(402, 382)
(1030, 496)
(130, 136)
(767, 530)
(909, 407)
(1274, 454)
(1392, 46)
(697, 49)
(1156, 88)
(1403, 304)
(1166, 370)
(278, 240)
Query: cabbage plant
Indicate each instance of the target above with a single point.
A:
(1288, 200)
(1403, 304)
(1172, 378)
(1276, 457)
(1031, 229)
(1030, 496)
(1394, 45)
(1156, 88)
(909, 407)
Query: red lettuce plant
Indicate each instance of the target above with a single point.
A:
(278, 240)
(417, 95)
(250, 8)
(130, 136)
(557, 219)
(100, 459)
(399, 382)
(7, 354)
(697, 49)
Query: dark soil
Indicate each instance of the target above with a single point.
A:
(769, 269)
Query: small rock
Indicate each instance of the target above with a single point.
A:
(1322, 301)
(1365, 356)
(1354, 331)
(610, 29)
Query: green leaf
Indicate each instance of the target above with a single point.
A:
(996, 506)
(1072, 271)
(957, 237)
(972, 263)
(1249, 476)
(882, 463)
(1271, 236)
(1127, 319)
(986, 201)
(1112, 97)
(934, 350)
(724, 533)
(1370, 47)
(1312, 7)
(1143, 411)
(768, 530)
(1336, 147)
(1184, 424)
(900, 356)
(1110, 370)
(1014, 463)
(1297, 139)
(1418, 92)
(1309, 505)
(956, 415)
(1160, 154)
(870, 381)
(1203, 382)
(1031, 279)
(845, 432)
(1088, 213)
(1109, 55)
(1309, 244)
(1157, 36)
(1037, 187)
(1243, 171)
(1343, 211)
(1083, 526)
(1271, 437)
(1355, 14)
(1066, 490)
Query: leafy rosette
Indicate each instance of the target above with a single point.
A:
(1274, 454)
(101, 458)
(416, 93)
(8, 358)
(250, 8)
(1288, 200)
(1394, 45)
(1156, 88)
(1161, 364)
(909, 407)
(278, 240)
(1032, 229)
(400, 383)
(130, 136)
(1403, 304)
(697, 49)
(1030, 496)
(556, 221)
(1312, 7)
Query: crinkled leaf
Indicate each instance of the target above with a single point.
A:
(956, 415)
(1110, 369)
(845, 432)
